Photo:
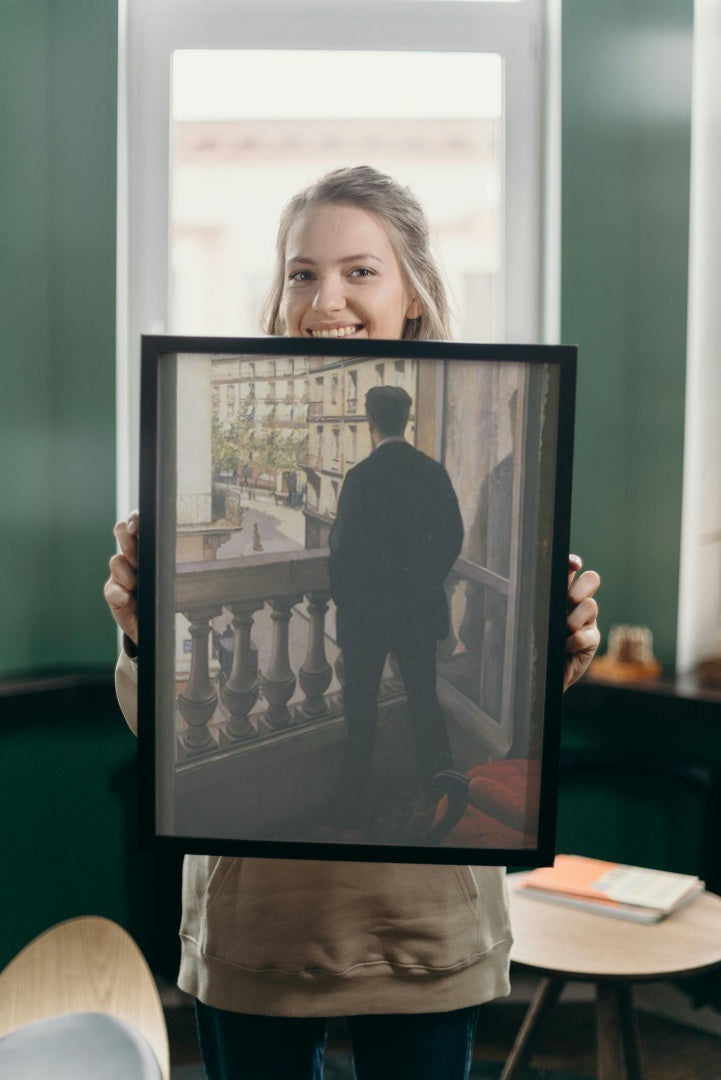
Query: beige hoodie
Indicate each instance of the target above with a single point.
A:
(285, 937)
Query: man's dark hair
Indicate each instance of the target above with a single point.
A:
(388, 409)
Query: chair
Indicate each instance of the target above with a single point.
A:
(492, 805)
(79, 1002)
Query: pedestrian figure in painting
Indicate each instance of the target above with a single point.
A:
(257, 542)
(397, 533)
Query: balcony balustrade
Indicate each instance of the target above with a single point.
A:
(239, 736)
(259, 739)
(258, 748)
(244, 587)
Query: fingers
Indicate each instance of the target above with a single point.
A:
(585, 640)
(123, 607)
(582, 633)
(121, 587)
(584, 586)
(583, 613)
(582, 609)
(123, 573)
(575, 562)
(126, 533)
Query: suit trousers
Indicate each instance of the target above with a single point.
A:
(365, 648)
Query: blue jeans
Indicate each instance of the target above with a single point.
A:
(414, 1046)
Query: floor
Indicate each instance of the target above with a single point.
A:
(670, 1051)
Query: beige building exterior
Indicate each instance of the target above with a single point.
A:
(338, 436)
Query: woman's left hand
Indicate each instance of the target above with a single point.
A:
(582, 633)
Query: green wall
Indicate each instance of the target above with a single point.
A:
(625, 199)
(67, 772)
(58, 74)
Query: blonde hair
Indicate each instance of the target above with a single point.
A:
(403, 217)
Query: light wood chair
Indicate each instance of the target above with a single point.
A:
(84, 965)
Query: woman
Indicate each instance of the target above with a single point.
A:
(271, 948)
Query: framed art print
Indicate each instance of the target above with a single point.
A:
(353, 571)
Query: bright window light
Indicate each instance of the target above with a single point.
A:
(224, 84)
(434, 121)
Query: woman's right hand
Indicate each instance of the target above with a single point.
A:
(121, 587)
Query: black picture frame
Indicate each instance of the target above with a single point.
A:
(245, 446)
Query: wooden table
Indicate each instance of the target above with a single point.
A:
(563, 944)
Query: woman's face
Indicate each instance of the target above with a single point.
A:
(342, 277)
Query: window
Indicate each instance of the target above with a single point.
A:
(352, 392)
(234, 163)
(477, 72)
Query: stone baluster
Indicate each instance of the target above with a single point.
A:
(278, 680)
(240, 690)
(395, 682)
(339, 667)
(199, 700)
(316, 673)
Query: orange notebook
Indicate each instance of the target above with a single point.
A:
(631, 892)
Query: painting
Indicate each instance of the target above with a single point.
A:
(352, 597)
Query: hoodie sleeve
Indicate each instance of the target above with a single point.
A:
(126, 688)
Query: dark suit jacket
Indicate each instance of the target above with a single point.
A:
(397, 534)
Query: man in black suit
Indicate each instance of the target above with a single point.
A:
(396, 536)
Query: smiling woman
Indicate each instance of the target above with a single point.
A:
(353, 259)
(336, 293)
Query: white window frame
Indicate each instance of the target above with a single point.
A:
(526, 34)
(699, 596)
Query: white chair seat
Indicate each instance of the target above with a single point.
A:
(78, 1046)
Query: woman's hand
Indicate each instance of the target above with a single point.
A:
(121, 587)
(582, 633)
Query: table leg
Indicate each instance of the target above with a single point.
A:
(545, 997)
(617, 1033)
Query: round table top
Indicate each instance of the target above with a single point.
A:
(559, 940)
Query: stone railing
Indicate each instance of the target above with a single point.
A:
(263, 742)
(274, 584)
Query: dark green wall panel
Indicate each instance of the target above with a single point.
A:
(69, 804)
(25, 391)
(626, 144)
(58, 77)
